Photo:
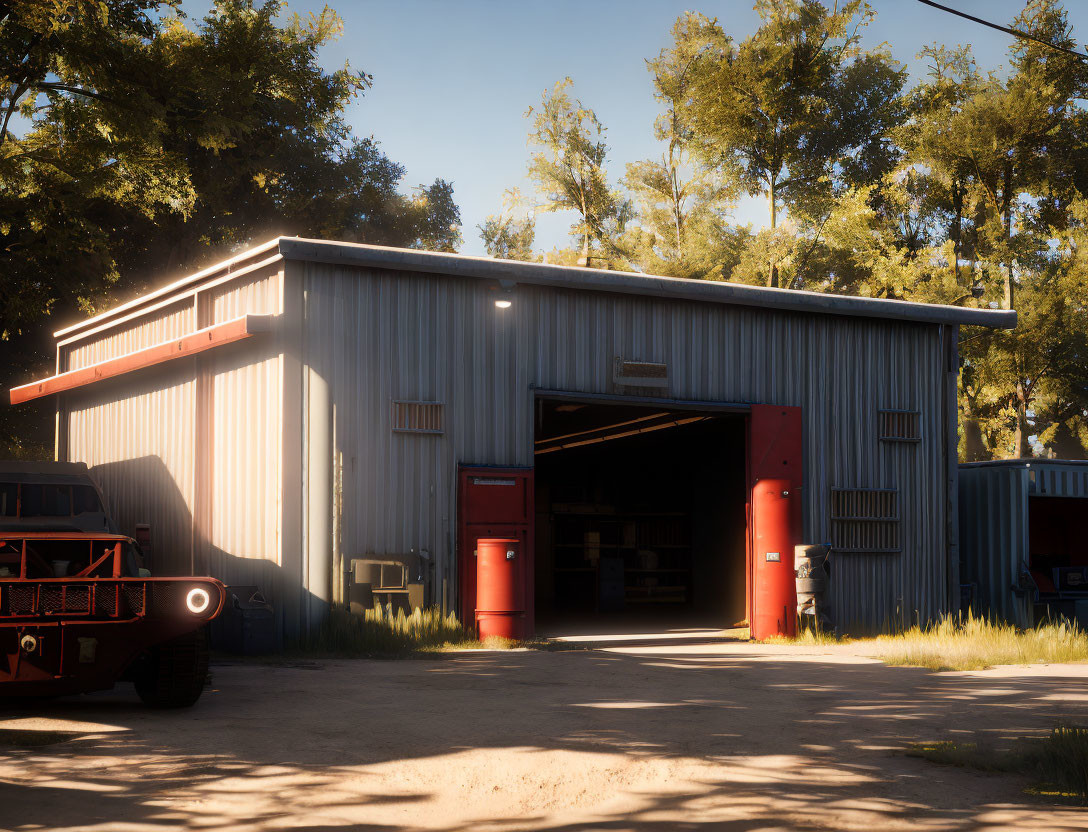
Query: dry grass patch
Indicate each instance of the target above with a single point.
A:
(383, 632)
(810, 637)
(1057, 764)
(974, 644)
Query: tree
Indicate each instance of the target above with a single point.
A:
(1002, 158)
(148, 147)
(932, 142)
(681, 227)
(1034, 379)
(797, 109)
(506, 236)
(435, 218)
(569, 173)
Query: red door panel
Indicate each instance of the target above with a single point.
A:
(494, 503)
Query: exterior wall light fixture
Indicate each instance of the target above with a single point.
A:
(505, 298)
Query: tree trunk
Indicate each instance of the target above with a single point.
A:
(772, 276)
(957, 224)
(974, 446)
(1009, 299)
(1067, 444)
(1023, 429)
(677, 212)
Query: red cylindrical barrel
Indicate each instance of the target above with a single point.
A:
(500, 601)
(774, 585)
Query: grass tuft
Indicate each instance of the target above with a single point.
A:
(383, 632)
(975, 643)
(1057, 764)
(809, 636)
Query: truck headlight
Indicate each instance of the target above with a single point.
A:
(198, 600)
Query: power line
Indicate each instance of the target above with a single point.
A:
(1014, 32)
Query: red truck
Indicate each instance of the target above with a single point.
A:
(78, 613)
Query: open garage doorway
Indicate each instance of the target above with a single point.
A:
(1058, 552)
(640, 517)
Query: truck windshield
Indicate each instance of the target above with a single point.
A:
(47, 500)
(47, 558)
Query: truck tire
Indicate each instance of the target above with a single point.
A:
(173, 674)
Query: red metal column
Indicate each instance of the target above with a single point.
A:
(774, 518)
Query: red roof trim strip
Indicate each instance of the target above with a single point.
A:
(203, 339)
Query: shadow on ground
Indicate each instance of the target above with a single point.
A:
(696, 737)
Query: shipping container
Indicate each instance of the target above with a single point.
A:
(1023, 545)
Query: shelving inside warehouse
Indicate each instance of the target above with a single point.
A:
(650, 553)
(639, 514)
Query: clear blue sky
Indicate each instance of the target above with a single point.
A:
(453, 78)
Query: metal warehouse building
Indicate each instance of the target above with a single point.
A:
(307, 404)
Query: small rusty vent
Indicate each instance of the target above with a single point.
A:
(640, 373)
(900, 426)
(418, 417)
(865, 520)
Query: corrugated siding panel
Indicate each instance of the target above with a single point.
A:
(379, 336)
(156, 328)
(1058, 480)
(142, 444)
(257, 293)
(136, 436)
(994, 538)
(246, 438)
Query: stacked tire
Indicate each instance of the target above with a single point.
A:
(812, 569)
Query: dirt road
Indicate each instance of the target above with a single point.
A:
(733, 737)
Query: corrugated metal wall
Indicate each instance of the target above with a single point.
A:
(156, 327)
(136, 437)
(195, 443)
(245, 431)
(994, 526)
(1058, 479)
(380, 336)
(994, 537)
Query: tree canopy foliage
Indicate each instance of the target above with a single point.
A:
(968, 188)
(135, 143)
(569, 171)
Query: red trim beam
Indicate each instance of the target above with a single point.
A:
(196, 342)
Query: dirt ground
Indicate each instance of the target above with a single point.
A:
(732, 736)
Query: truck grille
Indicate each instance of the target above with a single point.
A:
(134, 597)
(64, 598)
(21, 599)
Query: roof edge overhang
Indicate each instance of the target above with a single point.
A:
(568, 277)
(1038, 462)
(600, 280)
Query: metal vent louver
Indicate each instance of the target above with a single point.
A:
(900, 426)
(629, 373)
(418, 417)
(865, 520)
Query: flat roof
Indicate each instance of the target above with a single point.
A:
(574, 277)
